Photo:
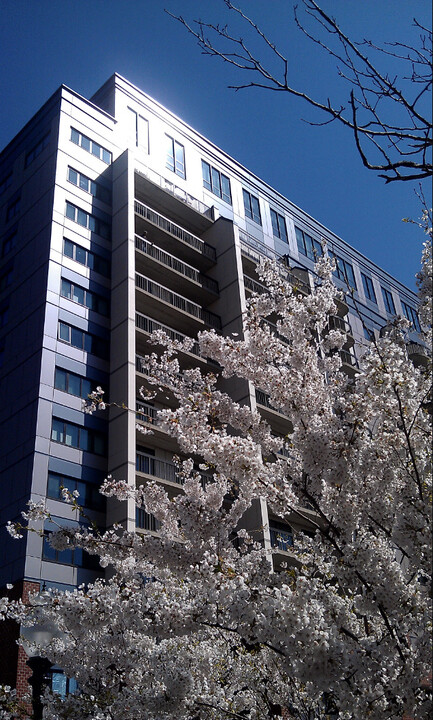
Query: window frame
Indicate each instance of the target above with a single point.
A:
(93, 261)
(222, 181)
(388, 301)
(87, 220)
(250, 211)
(411, 314)
(90, 146)
(369, 291)
(312, 250)
(280, 221)
(171, 160)
(91, 300)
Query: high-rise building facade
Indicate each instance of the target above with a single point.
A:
(117, 219)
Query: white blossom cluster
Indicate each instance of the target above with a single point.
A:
(194, 623)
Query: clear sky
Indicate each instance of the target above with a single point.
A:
(44, 43)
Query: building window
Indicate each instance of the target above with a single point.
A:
(252, 208)
(6, 278)
(389, 301)
(13, 209)
(343, 270)
(71, 383)
(5, 183)
(70, 556)
(138, 130)
(90, 146)
(37, 149)
(80, 295)
(307, 246)
(82, 340)
(8, 243)
(367, 283)
(85, 257)
(146, 521)
(279, 226)
(411, 314)
(78, 437)
(368, 333)
(90, 186)
(89, 496)
(88, 221)
(175, 156)
(216, 182)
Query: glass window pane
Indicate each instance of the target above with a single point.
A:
(48, 552)
(68, 248)
(256, 209)
(92, 223)
(60, 379)
(53, 488)
(73, 176)
(300, 240)
(57, 431)
(65, 557)
(216, 182)
(350, 275)
(70, 211)
(75, 136)
(85, 143)
(274, 221)
(78, 294)
(169, 161)
(99, 444)
(77, 338)
(80, 254)
(74, 385)
(226, 192)
(205, 168)
(92, 188)
(106, 156)
(96, 149)
(317, 249)
(247, 203)
(84, 183)
(64, 332)
(180, 159)
(309, 246)
(84, 439)
(86, 388)
(82, 217)
(65, 288)
(88, 342)
(71, 435)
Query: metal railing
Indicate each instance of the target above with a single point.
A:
(177, 301)
(348, 359)
(253, 285)
(281, 539)
(175, 230)
(146, 413)
(175, 264)
(142, 322)
(163, 470)
(335, 322)
(145, 521)
(176, 191)
(263, 399)
(257, 251)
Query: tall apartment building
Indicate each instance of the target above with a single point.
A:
(116, 219)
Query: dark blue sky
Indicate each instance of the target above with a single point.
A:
(44, 43)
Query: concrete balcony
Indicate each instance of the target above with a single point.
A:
(164, 304)
(279, 422)
(146, 326)
(153, 468)
(349, 363)
(173, 237)
(181, 277)
(418, 354)
(335, 322)
(172, 200)
(147, 416)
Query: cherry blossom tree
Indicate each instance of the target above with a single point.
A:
(197, 622)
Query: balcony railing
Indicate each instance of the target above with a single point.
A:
(145, 521)
(150, 465)
(263, 399)
(348, 359)
(253, 285)
(177, 301)
(281, 539)
(257, 251)
(142, 322)
(335, 322)
(176, 191)
(146, 413)
(175, 230)
(172, 262)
